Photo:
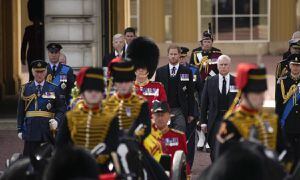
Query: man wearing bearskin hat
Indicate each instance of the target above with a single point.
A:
(287, 104)
(248, 117)
(144, 53)
(90, 122)
(132, 109)
(205, 57)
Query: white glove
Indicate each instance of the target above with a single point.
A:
(53, 124)
(20, 135)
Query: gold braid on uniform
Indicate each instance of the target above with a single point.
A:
(234, 103)
(266, 125)
(291, 92)
(88, 128)
(128, 109)
(203, 63)
(49, 78)
(28, 99)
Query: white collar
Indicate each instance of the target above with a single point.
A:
(42, 83)
(226, 77)
(171, 66)
(56, 64)
(116, 53)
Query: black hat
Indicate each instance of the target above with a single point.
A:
(39, 65)
(295, 43)
(143, 53)
(184, 51)
(160, 106)
(122, 71)
(294, 58)
(251, 78)
(54, 47)
(206, 36)
(90, 79)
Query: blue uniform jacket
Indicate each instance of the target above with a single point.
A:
(63, 78)
(33, 111)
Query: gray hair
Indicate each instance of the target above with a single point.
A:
(223, 56)
(116, 36)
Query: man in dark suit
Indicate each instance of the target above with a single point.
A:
(178, 83)
(59, 74)
(118, 50)
(217, 96)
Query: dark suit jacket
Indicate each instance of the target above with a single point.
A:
(109, 57)
(185, 88)
(210, 100)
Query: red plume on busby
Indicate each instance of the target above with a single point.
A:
(251, 78)
(143, 53)
(90, 78)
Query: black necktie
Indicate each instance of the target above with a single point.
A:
(39, 90)
(53, 70)
(224, 86)
(173, 71)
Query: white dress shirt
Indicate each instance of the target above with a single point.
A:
(56, 65)
(42, 83)
(171, 67)
(118, 54)
(227, 78)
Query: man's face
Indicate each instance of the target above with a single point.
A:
(161, 119)
(54, 56)
(173, 56)
(62, 59)
(295, 69)
(184, 59)
(129, 36)
(141, 72)
(92, 96)
(123, 88)
(223, 66)
(295, 50)
(206, 44)
(118, 43)
(256, 99)
(39, 76)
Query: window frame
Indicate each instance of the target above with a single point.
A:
(234, 16)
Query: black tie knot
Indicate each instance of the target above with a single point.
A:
(224, 86)
(173, 71)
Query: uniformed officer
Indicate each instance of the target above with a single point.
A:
(288, 104)
(282, 67)
(58, 73)
(171, 139)
(205, 56)
(90, 122)
(133, 113)
(144, 53)
(248, 119)
(40, 110)
(198, 86)
(291, 50)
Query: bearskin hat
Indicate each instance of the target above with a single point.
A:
(144, 53)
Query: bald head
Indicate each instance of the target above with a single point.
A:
(224, 62)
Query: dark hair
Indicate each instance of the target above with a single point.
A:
(174, 46)
(129, 29)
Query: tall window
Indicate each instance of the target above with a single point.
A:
(236, 20)
(134, 14)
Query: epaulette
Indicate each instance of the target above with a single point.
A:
(176, 131)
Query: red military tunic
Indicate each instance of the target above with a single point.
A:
(174, 140)
(151, 91)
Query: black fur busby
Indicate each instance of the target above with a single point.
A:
(71, 163)
(144, 53)
(122, 71)
(90, 79)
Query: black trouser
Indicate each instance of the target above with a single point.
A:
(29, 71)
(30, 148)
(211, 139)
(294, 141)
(190, 135)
